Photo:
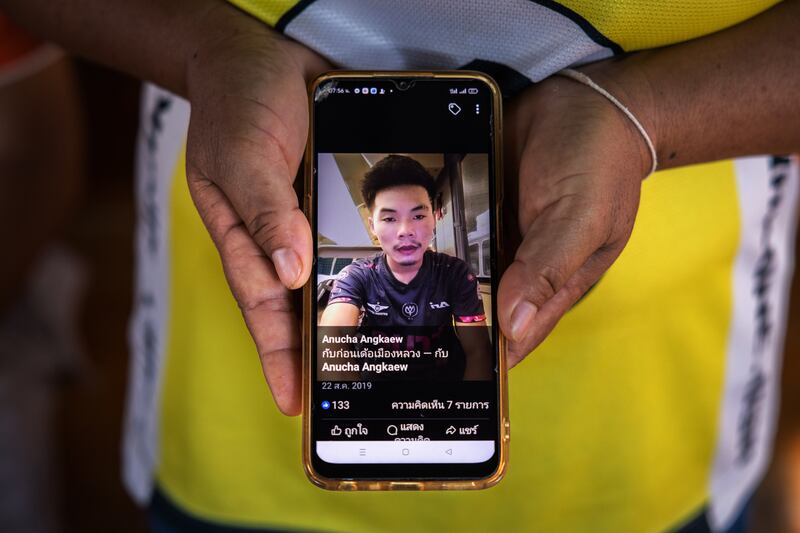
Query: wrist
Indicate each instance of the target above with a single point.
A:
(596, 121)
(231, 45)
(219, 35)
(628, 83)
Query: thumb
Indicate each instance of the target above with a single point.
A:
(257, 180)
(560, 256)
(269, 209)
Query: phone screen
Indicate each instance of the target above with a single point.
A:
(404, 354)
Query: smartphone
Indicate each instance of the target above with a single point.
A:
(404, 362)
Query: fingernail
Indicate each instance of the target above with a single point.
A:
(287, 263)
(521, 319)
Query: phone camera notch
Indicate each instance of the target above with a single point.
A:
(404, 85)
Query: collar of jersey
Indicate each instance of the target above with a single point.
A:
(421, 273)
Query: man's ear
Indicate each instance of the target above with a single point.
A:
(371, 224)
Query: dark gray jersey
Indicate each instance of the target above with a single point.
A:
(442, 291)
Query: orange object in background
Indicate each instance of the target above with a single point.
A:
(14, 42)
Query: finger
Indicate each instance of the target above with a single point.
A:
(250, 145)
(258, 181)
(265, 302)
(551, 312)
(561, 239)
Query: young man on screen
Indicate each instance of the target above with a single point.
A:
(407, 284)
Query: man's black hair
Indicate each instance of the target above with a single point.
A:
(394, 171)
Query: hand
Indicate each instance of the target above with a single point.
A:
(249, 122)
(579, 163)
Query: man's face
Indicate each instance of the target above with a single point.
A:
(402, 219)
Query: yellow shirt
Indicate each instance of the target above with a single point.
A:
(652, 400)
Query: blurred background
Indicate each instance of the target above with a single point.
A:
(67, 134)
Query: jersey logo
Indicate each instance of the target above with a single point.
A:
(378, 309)
(410, 310)
(440, 305)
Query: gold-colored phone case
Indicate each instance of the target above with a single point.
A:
(309, 292)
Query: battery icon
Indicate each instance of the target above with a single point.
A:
(473, 90)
